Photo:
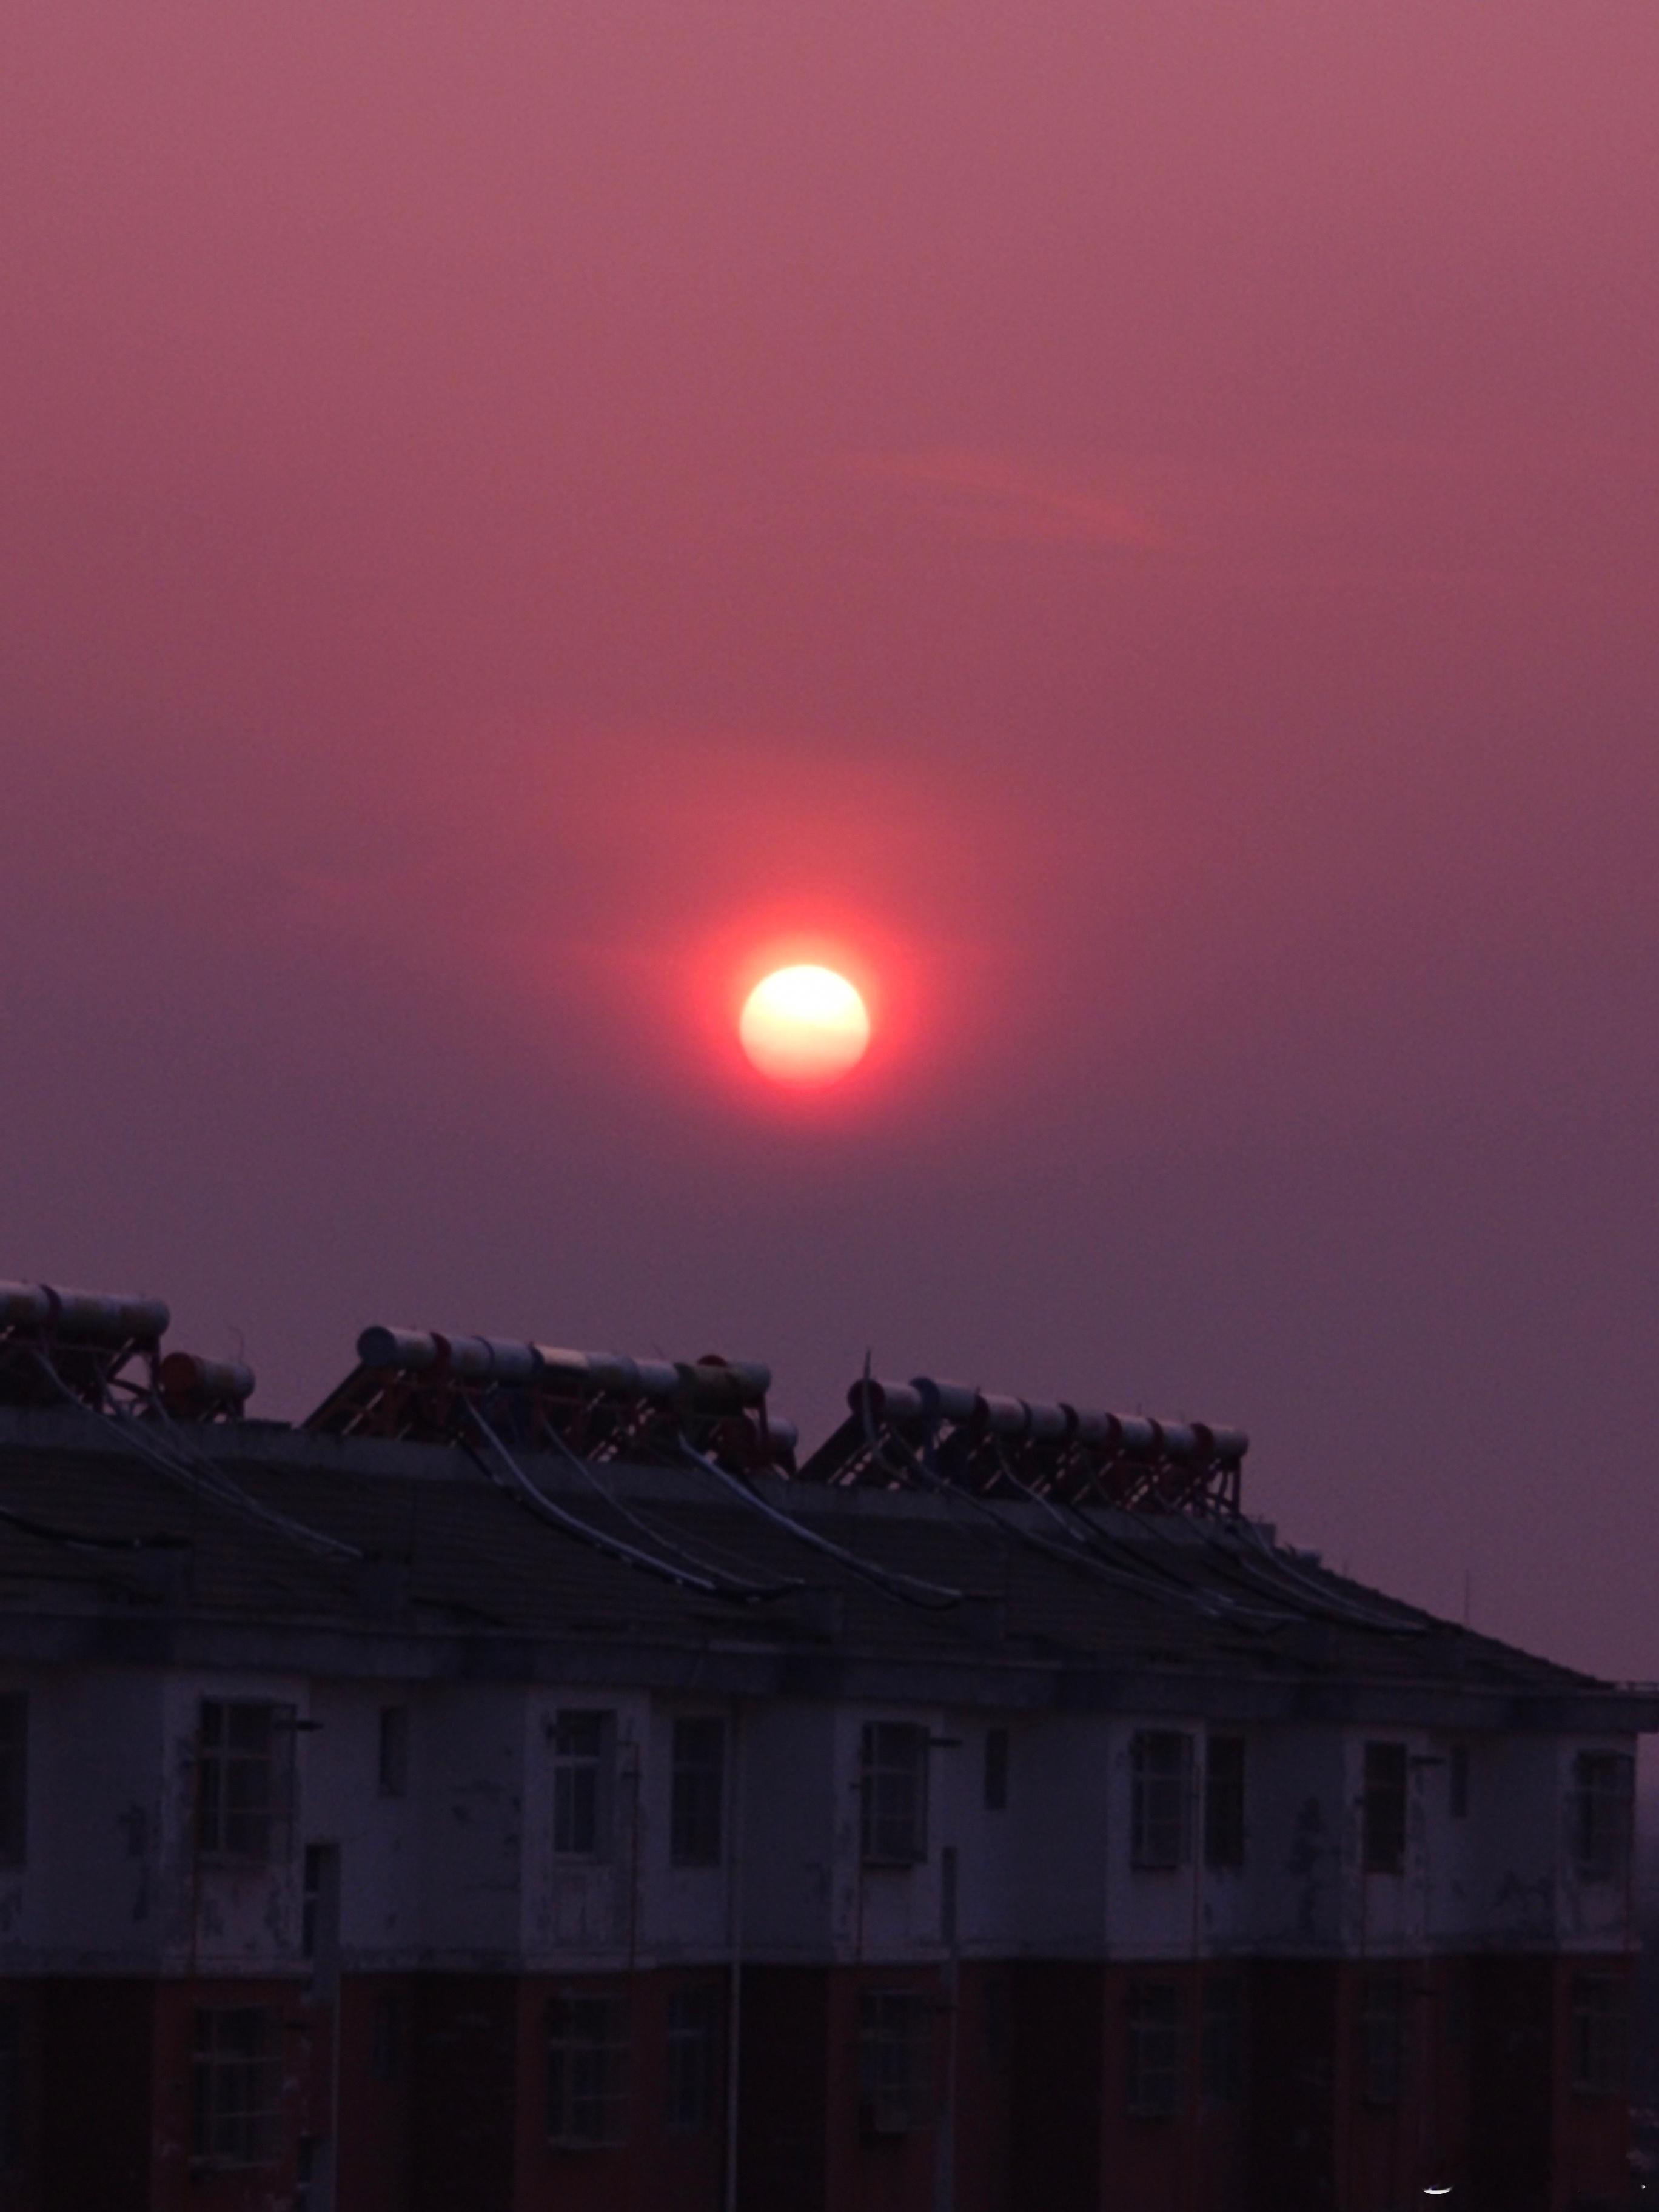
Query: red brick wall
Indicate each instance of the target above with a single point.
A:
(783, 2144)
(465, 2087)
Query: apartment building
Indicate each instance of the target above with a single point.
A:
(530, 1783)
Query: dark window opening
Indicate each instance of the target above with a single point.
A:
(394, 1751)
(694, 2019)
(698, 1792)
(1457, 2004)
(11, 2087)
(388, 2037)
(896, 2061)
(236, 2087)
(1603, 1805)
(1221, 2047)
(894, 1809)
(1382, 2038)
(1161, 1807)
(14, 1778)
(581, 1745)
(1385, 1823)
(996, 1770)
(996, 2018)
(311, 1889)
(587, 2070)
(1223, 1801)
(1600, 2037)
(1157, 2051)
(244, 1780)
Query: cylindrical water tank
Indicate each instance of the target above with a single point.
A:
(413, 1350)
(189, 1380)
(97, 1317)
(723, 1386)
(1099, 1431)
(656, 1378)
(1003, 1417)
(1045, 1424)
(565, 1369)
(23, 1305)
(754, 1376)
(946, 1402)
(900, 1403)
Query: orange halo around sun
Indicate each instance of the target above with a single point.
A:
(804, 1025)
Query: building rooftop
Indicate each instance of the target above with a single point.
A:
(251, 1543)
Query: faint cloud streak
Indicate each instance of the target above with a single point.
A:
(996, 497)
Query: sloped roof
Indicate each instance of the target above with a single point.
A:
(440, 1570)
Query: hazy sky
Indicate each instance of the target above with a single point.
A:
(1135, 521)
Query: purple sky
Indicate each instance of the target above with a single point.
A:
(1136, 523)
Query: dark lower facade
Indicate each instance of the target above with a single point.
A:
(1253, 2086)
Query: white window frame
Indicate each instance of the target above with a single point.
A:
(245, 1790)
(893, 1759)
(589, 2068)
(1161, 1799)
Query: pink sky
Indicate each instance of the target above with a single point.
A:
(1138, 523)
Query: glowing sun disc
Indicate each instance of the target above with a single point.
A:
(804, 1025)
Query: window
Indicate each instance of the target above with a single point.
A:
(996, 2017)
(1221, 2049)
(386, 2060)
(693, 2055)
(243, 1781)
(1382, 2038)
(394, 1751)
(996, 1770)
(894, 1812)
(1223, 1801)
(1457, 2004)
(587, 2054)
(14, 1778)
(312, 1877)
(1156, 2053)
(579, 1746)
(1599, 2052)
(1457, 1782)
(11, 2087)
(236, 2083)
(1162, 1762)
(1604, 1789)
(319, 1917)
(896, 2061)
(699, 1790)
(1384, 1824)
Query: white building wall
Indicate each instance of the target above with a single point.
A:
(224, 1917)
(686, 1911)
(461, 1870)
(471, 1812)
(1294, 1868)
(380, 1837)
(89, 1898)
(585, 1911)
(1591, 1915)
(1058, 1903)
(791, 1793)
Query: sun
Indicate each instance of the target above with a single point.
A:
(805, 1025)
